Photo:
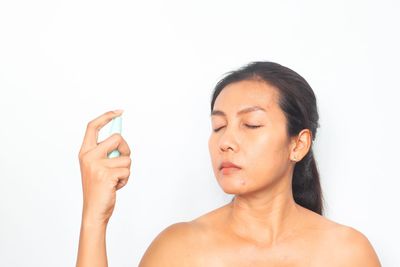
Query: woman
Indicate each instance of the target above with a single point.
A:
(264, 118)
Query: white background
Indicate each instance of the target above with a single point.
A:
(63, 63)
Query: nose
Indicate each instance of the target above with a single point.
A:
(227, 141)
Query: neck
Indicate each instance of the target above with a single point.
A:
(265, 218)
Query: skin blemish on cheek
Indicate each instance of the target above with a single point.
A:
(242, 181)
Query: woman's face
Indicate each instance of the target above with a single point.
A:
(263, 153)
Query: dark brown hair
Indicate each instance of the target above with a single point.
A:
(298, 103)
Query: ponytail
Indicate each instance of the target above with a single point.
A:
(306, 186)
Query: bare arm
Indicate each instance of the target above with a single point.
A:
(101, 178)
(92, 245)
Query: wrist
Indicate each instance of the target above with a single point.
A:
(93, 221)
(95, 224)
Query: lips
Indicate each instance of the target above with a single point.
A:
(228, 164)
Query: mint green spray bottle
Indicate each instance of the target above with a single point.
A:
(116, 127)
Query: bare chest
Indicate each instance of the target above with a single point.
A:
(244, 258)
(296, 254)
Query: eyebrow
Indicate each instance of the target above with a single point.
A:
(245, 110)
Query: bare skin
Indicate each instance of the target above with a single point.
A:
(262, 226)
(101, 178)
(208, 241)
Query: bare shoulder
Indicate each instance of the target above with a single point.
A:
(182, 243)
(350, 247)
(358, 249)
(338, 244)
(173, 246)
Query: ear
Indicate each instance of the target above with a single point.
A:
(301, 145)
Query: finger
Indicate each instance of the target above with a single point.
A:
(121, 183)
(115, 141)
(118, 162)
(93, 128)
(121, 175)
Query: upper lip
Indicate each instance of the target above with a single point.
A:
(228, 164)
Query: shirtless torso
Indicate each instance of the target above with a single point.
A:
(207, 241)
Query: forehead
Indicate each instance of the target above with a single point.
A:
(238, 95)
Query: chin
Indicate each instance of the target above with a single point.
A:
(232, 184)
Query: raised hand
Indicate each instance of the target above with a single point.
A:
(102, 176)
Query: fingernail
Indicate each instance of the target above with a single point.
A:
(118, 111)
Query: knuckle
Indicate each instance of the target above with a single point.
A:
(81, 154)
(82, 158)
(91, 125)
(117, 138)
(117, 135)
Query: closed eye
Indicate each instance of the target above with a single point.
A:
(253, 126)
(247, 125)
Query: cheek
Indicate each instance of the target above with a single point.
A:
(266, 158)
(212, 151)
